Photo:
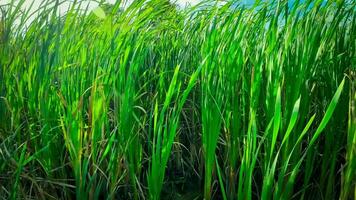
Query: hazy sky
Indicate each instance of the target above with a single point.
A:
(92, 5)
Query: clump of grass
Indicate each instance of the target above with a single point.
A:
(151, 101)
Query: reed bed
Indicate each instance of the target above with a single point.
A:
(220, 100)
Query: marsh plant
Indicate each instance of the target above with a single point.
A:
(220, 100)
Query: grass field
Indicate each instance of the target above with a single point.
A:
(215, 101)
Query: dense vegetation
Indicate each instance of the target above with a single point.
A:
(216, 101)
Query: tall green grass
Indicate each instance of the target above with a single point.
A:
(215, 101)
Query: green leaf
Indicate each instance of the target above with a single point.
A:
(277, 120)
(221, 182)
(99, 12)
(292, 121)
(329, 112)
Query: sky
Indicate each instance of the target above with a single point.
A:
(92, 4)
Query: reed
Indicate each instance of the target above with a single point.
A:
(220, 100)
